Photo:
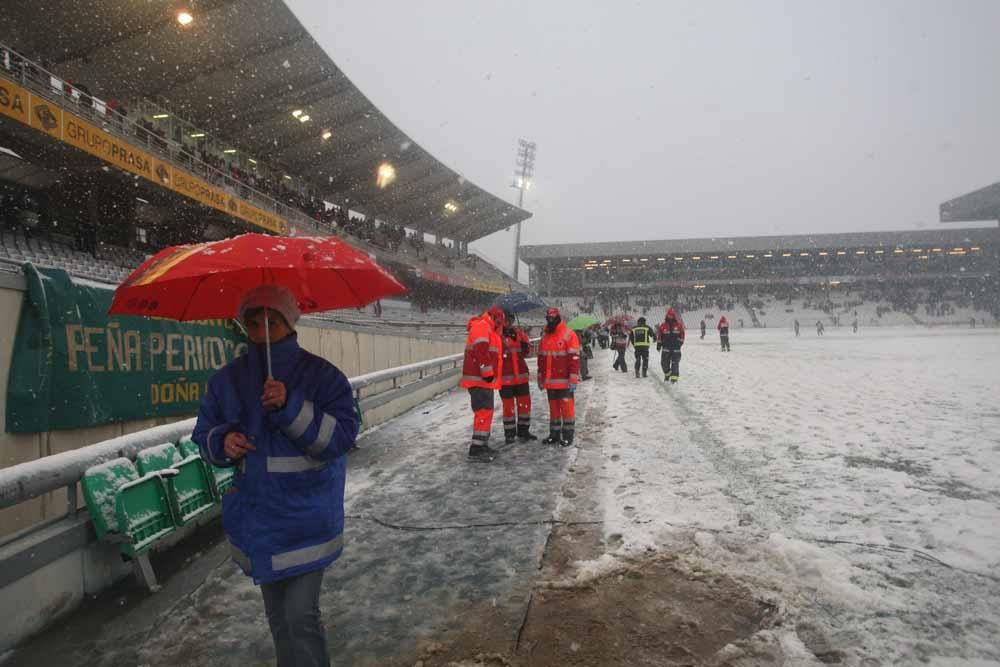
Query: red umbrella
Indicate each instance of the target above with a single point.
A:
(208, 280)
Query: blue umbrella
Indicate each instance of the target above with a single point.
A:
(519, 302)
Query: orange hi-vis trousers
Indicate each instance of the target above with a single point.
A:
(482, 414)
(562, 411)
(516, 400)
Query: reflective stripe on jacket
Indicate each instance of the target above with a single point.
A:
(559, 358)
(482, 354)
(286, 516)
(642, 336)
(515, 349)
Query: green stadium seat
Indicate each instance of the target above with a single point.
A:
(190, 489)
(221, 477)
(127, 509)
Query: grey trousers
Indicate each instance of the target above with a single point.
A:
(292, 607)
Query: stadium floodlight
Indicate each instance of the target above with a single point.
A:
(184, 18)
(450, 206)
(522, 182)
(385, 175)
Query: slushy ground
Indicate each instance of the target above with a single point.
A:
(796, 501)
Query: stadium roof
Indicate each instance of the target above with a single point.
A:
(573, 251)
(982, 204)
(238, 70)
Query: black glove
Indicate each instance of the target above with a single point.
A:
(488, 379)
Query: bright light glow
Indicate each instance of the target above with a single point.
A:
(974, 248)
(786, 254)
(385, 175)
(626, 260)
(834, 282)
(696, 257)
(698, 286)
(644, 259)
(768, 255)
(935, 249)
(749, 256)
(197, 135)
(880, 252)
(251, 160)
(326, 134)
(661, 259)
(229, 151)
(803, 254)
(451, 207)
(924, 257)
(161, 116)
(304, 118)
(916, 251)
(859, 252)
(957, 252)
(823, 253)
(731, 256)
(898, 251)
(714, 257)
(184, 18)
(841, 252)
(296, 113)
(287, 176)
(678, 259)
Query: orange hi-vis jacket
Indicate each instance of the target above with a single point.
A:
(482, 354)
(558, 358)
(515, 349)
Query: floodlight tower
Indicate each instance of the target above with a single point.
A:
(522, 181)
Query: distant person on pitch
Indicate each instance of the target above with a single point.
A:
(723, 327)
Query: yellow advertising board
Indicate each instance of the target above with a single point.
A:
(37, 112)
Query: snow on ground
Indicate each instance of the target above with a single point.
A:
(850, 477)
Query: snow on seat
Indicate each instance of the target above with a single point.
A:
(221, 478)
(130, 510)
(188, 484)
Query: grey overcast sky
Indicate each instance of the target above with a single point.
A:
(679, 119)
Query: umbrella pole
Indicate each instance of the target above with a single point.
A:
(267, 342)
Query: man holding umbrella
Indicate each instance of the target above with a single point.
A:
(514, 392)
(287, 430)
(283, 417)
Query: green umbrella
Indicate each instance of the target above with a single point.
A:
(581, 322)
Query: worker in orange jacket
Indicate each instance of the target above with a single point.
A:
(481, 376)
(514, 393)
(559, 373)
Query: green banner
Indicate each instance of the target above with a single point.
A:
(74, 366)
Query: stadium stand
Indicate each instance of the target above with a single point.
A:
(878, 278)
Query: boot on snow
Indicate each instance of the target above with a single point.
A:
(482, 453)
(524, 435)
(567, 439)
(555, 438)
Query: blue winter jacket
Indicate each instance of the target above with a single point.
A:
(287, 515)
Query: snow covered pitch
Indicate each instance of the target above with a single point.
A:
(852, 478)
